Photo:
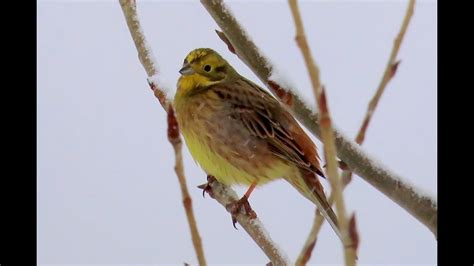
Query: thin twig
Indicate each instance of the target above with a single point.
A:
(175, 140)
(310, 242)
(389, 73)
(419, 205)
(146, 58)
(326, 132)
(308, 247)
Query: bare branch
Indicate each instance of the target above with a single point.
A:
(175, 139)
(308, 246)
(305, 253)
(389, 73)
(313, 69)
(146, 58)
(421, 206)
(334, 178)
(326, 132)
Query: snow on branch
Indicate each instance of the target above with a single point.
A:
(418, 204)
(252, 225)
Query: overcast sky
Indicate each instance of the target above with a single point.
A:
(107, 192)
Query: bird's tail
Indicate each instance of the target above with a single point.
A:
(309, 186)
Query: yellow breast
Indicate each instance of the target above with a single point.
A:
(218, 148)
(214, 164)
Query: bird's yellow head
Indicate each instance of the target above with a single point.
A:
(202, 68)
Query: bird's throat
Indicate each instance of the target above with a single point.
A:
(190, 83)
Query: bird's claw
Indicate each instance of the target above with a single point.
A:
(234, 209)
(206, 187)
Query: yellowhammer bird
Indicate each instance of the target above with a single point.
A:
(240, 134)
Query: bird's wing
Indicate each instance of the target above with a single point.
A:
(264, 117)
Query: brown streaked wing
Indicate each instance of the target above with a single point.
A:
(264, 117)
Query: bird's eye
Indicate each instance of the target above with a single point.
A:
(207, 68)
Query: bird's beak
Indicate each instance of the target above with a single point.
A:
(186, 70)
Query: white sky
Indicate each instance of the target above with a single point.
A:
(107, 193)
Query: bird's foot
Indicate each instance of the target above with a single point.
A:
(207, 187)
(234, 209)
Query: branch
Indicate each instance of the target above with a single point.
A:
(175, 139)
(253, 226)
(334, 178)
(389, 73)
(308, 247)
(421, 206)
(146, 58)
(145, 55)
(326, 132)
